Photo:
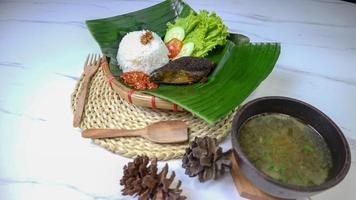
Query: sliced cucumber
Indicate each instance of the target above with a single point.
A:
(175, 32)
(186, 50)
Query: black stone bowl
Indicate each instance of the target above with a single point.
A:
(333, 136)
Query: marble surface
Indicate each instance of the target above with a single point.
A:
(43, 44)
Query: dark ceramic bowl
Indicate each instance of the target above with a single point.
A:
(333, 136)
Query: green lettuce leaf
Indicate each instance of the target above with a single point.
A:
(205, 30)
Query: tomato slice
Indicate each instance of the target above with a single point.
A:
(174, 46)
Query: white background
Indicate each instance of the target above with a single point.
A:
(43, 45)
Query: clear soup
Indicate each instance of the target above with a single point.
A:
(286, 149)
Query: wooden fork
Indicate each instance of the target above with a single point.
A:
(91, 65)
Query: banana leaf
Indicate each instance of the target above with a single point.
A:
(241, 65)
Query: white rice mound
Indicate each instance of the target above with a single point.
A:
(135, 56)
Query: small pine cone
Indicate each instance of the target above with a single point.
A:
(205, 159)
(134, 173)
(144, 181)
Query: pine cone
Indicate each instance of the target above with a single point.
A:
(142, 180)
(204, 158)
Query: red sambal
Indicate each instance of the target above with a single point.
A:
(138, 80)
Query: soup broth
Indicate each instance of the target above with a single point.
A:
(286, 149)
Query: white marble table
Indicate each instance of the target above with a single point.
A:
(42, 47)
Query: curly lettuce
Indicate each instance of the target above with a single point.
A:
(205, 30)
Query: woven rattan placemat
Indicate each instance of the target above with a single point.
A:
(105, 109)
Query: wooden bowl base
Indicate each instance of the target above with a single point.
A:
(245, 188)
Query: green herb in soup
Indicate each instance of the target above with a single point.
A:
(286, 149)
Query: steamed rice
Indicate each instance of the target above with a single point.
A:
(135, 56)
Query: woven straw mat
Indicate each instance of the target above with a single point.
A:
(105, 109)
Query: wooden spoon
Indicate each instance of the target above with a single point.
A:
(173, 131)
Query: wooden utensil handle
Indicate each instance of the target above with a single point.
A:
(110, 133)
(82, 95)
